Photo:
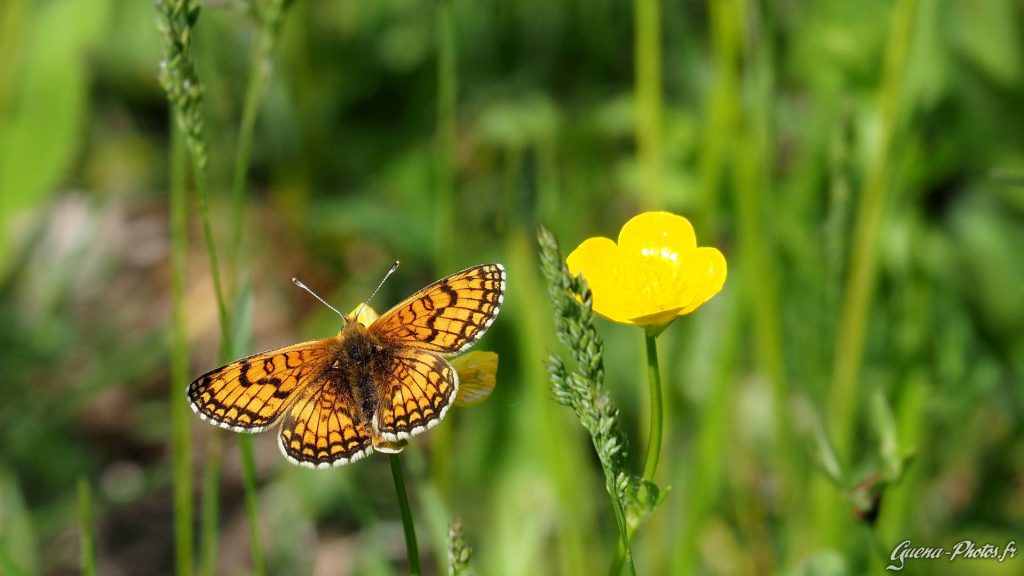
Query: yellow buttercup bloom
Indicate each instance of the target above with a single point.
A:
(655, 273)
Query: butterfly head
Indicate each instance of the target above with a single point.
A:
(352, 326)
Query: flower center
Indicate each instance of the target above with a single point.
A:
(656, 279)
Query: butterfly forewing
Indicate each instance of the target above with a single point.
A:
(449, 315)
(414, 390)
(323, 427)
(251, 394)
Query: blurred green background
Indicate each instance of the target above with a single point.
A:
(859, 162)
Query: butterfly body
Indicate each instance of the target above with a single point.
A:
(356, 359)
(368, 388)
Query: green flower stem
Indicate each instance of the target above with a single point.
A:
(86, 539)
(654, 382)
(411, 550)
(623, 552)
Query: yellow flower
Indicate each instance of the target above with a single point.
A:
(655, 273)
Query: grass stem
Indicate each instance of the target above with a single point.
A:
(447, 94)
(259, 76)
(209, 505)
(753, 185)
(180, 436)
(647, 55)
(844, 404)
(203, 200)
(444, 205)
(863, 257)
(87, 540)
(251, 509)
(270, 21)
(624, 550)
(411, 549)
(250, 110)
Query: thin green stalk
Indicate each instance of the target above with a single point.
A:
(14, 26)
(654, 382)
(719, 130)
(251, 511)
(844, 405)
(704, 474)
(647, 55)
(86, 539)
(259, 77)
(444, 205)
(209, 535)
(624, 550)
(203, 197)
(753, 185)
(859, 286)
(447, 93)
(248, 468)
(411, 550)
(180, 436)
(250, 110)
(561, 460)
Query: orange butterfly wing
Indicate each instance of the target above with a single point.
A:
(449, 315)
(251, 394)
(415, 388)
(323, 427)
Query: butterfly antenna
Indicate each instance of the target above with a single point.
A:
(367, 301)
(315, 295)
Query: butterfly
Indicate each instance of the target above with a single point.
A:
(369, 388)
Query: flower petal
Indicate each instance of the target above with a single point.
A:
(709, 275)
(477, 376)
(656, 318)
(599, 261)
(657, 234)
(366, 314)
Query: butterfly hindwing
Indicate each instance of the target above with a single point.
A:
(323, 427)
(449, 315)
(414, 389)
(250, 395)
